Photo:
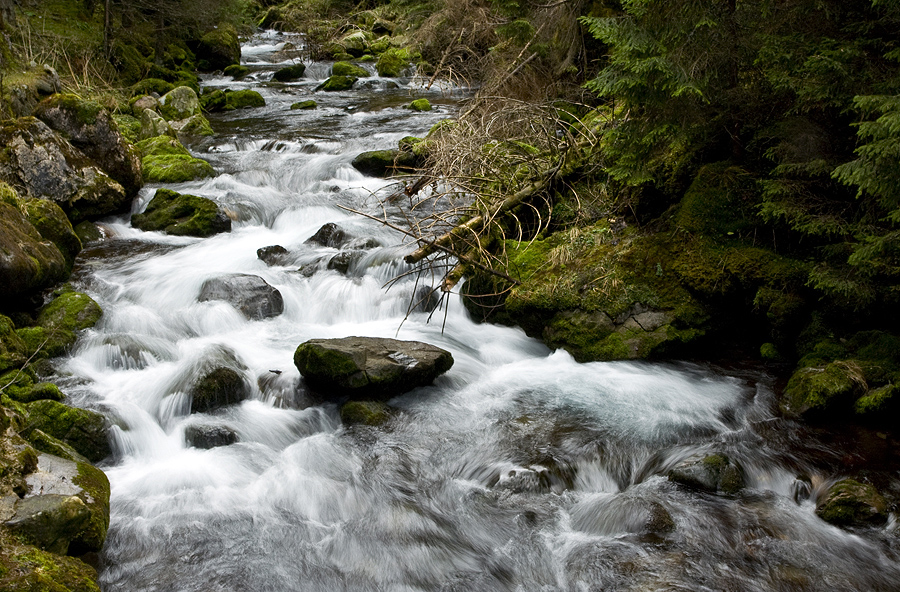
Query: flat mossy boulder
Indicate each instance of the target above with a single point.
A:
(236, 71)
(218, 388)
(304, 105)
(40, 163)
(218, 49)
(50, 521)
(337, 83)
(166, 160)
(26, 568)
(30, 262)
(289, 73)
(90, 128)
(182, 215)
(355, 43)
(384, 163)
(349, 70)
(250, 294)
(83, 430)
(713, 473)
(822, 391)
(243, 99)
(63, 477)
(369, 367)
(151, 85)
(851, 503)
(179, 103)
(195, 125)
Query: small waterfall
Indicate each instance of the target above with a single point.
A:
(518, 470)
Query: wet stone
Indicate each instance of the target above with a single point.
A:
(209, 436)
(250, 294)
(272, 255)
(329, 235)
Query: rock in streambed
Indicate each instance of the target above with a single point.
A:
(369, 367)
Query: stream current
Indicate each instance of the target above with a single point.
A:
(518, 470)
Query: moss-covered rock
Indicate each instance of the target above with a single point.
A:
(59, 321)
(289, 73)
(182, 215)
(88, 232)
(337, 83)
(30, 262)
(236, 71)
(349, 70)
(394, 62)
(304, 105)
(179, 103)
(718, 202)
(383, 163)
(370, 413)
(150, 86)
(213, 101)
(129, 126)
(822, 391)
(196, 125)
(153, 124)
(420, 105)
(851, 503)
(167, 161)
(53, 225)
(25, 568)
(243, 99)
(42, 164)
(369, 367)
(218, 49)
(218, 388)
(91, 129)
(13, 351)
(50, 521)
(20, 386)
(355, 43)
(713, 473)
(83, 430)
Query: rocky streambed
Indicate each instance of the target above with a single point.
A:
(238, 464)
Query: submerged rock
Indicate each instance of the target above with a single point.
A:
(209, 436)
(304, 105)
(851, 503)
(250, 294)
(289, 73)
(713, 473)
(370, 413)
(369, 367)
(328, 235)
(182, 215)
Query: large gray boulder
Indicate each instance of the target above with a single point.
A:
(250, 294)
(153, 124)
(179, 103)
(369, 367)
(91, 129)
(41, 163)
(29, 262)
(50, 521)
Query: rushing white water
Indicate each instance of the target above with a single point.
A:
(519, 469)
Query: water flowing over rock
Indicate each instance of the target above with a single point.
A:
(369, 367)
(40, 163)
(250, 294)
(91, 129)
(209, 436)
(219, 388)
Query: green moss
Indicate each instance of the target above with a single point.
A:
(197, 125)
(236, 71)
(53, 225)
(12, 349)
(218, 388)
(129, 126)
(129, 62)
(151, 85)
(44, 442)
(71, 310)
(181, 215)
(718, 202)
(880, 404)
(219, 49)
(214, 101)
(349, 70)
(337, 83)
(95, 483)
(310, 104)
(38, 343)
(29, 569)
(289, 73)
(371, 413)
(394, 61)
(828, 390)
(175, 169)
(328, 362)
(850, 502)
(83, 430)
(420, 105)
(20, 386)
(243, 99)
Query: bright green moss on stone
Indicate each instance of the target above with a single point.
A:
(420, 105)
(243, 99)
(83, 430)
(182, 215)
(96, 485)
(851, 503)
(304, 105)
(236, 71)
(349, 70)
(337, 83)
